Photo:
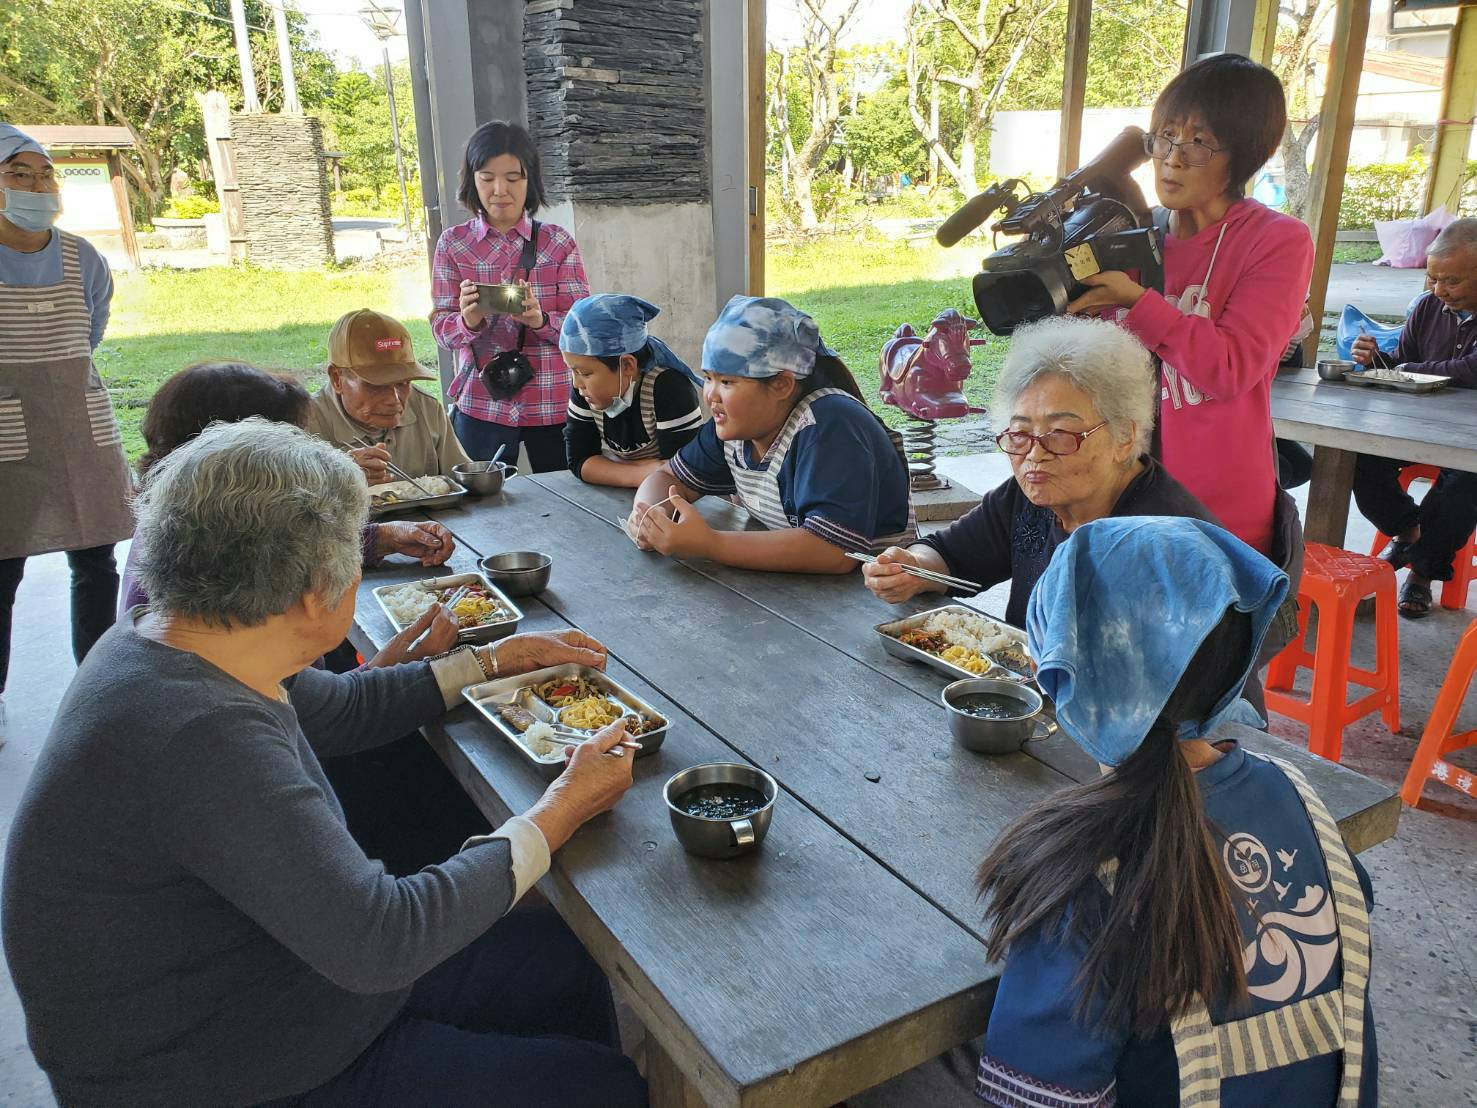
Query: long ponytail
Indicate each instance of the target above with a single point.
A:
(1170, 931)
(831, 373)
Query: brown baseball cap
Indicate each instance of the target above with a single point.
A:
(376, 347)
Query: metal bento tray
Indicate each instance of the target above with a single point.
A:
(505, 690)
(890, 629)
(1418, 382)
(487, 632)
(417, 503)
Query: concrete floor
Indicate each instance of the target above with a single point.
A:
(1425, 979)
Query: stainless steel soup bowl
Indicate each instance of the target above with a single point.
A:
(518, 572)
(483, 478)
(1333, 369)
(995, 736)
(720, 838)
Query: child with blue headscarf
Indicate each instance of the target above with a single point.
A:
(634, 402)
(1190, 928)
(792, 441)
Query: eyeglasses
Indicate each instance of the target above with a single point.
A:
(1193, 152)
(28, 177)
(1056, 441)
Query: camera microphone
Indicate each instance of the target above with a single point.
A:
(974, 212)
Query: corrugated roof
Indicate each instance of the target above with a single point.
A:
(80, 137)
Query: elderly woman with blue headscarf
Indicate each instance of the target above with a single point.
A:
(792, 439)
(627, 412)
(63, 478)
(1190, 928)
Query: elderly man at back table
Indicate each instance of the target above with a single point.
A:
(371, 407)
(1440, 337)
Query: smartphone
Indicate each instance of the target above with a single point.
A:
(504, 299)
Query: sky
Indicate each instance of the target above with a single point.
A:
(341, 30)
(874, 21)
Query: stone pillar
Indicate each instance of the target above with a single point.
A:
(284, 191)
(618, 104)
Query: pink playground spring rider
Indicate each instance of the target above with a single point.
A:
(925, 378)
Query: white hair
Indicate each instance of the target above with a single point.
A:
(1460, 235)
(1100, 358)
(241, 522)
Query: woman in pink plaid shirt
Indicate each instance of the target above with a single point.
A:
(502, 187)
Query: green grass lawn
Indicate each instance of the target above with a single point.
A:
(163, 320)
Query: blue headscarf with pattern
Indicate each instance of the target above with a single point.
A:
(762, 336)
(612, 323)
(14, 141)
(1121, 610)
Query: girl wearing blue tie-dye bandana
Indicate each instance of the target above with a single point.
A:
(792, 441)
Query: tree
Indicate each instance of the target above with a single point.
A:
(1295, 65)
(138, 64)
(983, 43)
(358, 117)
(818, 63)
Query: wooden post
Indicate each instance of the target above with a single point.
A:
(249, 100)
(1458, 105)
(125, 209)
(290, 103)
(1336, 124)
(1074, 85)
(1264, 31)
(217, 119)
(758, 139)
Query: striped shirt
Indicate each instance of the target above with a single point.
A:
(677, 415)
(44, 267)
(477, 251)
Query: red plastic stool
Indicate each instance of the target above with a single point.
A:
(1463, 566)
(1437, 738)
(1335, 581)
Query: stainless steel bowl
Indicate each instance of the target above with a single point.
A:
(995, 736)
(483, 478)
(720, 838)
(1333, 369)
(518, 572)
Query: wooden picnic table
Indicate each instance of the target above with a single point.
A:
(1343, 421)
(849, 948)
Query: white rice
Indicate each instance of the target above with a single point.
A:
(972, 632)
(405, 490)
(407, 603)
(536, 739)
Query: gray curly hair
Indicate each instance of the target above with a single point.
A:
(1098, 357)
(240, 523)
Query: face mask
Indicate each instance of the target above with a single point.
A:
(31, 211)
(620, 403)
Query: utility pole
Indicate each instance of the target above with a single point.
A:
(386, 24)
(249, 101)
(290, 104)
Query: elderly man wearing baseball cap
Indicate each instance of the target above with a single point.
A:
(369, 398)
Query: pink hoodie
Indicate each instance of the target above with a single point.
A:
(1220, 340)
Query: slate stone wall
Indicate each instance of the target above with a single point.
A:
(284, 190)
(617, 98)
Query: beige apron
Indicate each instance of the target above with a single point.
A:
(646, 390)
(759, 489)
(1208, 1053)
(64, 482)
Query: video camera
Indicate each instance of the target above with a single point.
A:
(1092, 220)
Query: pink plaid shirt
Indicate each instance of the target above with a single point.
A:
(476, 251)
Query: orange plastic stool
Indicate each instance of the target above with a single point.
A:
(1463, 566)
(1335, 581)
(1437, 738)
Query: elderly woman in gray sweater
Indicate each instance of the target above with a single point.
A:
(186, 917)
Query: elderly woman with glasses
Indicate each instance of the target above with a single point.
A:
(187, 918)
(1075, 406)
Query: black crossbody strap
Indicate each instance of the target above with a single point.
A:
(526, 262)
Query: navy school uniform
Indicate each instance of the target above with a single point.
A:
(839, 474)
(664, 415)
(1037, 1054)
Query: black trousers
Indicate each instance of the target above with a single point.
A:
(1446, 516)
(94, 599)
(1294, 464)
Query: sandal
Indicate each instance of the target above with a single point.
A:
(1415, 600)
(1397, 553)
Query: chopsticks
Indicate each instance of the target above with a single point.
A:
(559, 737)
(919, 571)
(392, 467)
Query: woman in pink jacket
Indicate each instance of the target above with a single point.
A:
(1235, 278)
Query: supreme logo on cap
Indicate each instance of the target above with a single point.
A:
(388, 344)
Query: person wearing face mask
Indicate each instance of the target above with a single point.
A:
(370, 398)
(793, 440)
(64, 481)
(627, 413)
(511, 388)
(1235, 280)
